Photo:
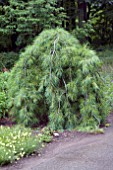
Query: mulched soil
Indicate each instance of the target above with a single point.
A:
(6, 122)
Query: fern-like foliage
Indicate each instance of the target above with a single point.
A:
(58, 78)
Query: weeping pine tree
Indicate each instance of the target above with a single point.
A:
(57, 79)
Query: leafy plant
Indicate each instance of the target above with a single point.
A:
(3, 94)
(45, 135)
(59, 79)
(15, 143)
(101, 16)
(84, 33)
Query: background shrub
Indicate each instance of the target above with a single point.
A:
(7, 60)
(58, 78)
(3, 94)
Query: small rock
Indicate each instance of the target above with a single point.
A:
(56, 134)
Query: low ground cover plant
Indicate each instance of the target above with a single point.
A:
(16, 142)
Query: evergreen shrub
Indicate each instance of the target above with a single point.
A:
(58, 79)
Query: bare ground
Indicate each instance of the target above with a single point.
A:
(73, 151)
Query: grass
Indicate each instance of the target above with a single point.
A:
(91, 130)
(106, 56)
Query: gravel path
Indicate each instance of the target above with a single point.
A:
(82, 152)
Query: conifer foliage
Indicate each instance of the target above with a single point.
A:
(22, 20)
(58, 79)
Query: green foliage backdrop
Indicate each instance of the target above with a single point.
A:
(21, 20)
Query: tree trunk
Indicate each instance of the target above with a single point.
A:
(82, 12)
(70, 8)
